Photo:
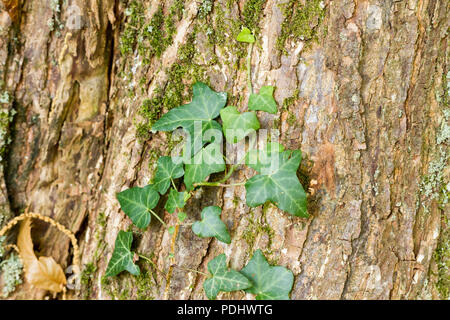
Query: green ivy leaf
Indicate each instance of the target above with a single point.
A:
(237, 126)
(175, 200)
(166, 170)
(263, 100)
(136, 203)
(269, 283)
(223, 279)
(182, 216)
(208, 160)
(211, 225)
(278, 180)
(205, 107)
(245, 36)
(122, 257)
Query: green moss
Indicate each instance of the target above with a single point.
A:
(177, 9)
(116, 289)
(219, 26)
(291, 100)
(135, 19)
(252, 14)
(6, 117)
(291, 119)
(144, 286)
(86, 279)
(442, 259)
(301, 21)
(181, 75)
(2, 241)
(236, 201)
(434, 184)
(151, 38)
(87, 273)
(255, 228)
(205, 8)
(157, 35)
(129, 287)
(150, 110)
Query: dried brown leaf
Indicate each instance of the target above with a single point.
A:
(44, 273)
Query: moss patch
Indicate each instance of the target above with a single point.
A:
(255, 228)
(302, 22)
(442, 259)
(181, 75)
(135, 14)
(252, 14)
(151, 38)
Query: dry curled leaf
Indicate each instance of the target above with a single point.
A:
(43, 273)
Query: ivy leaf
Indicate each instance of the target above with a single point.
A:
(122, 257)
(223, 279)
(278, 180)
(136, 203)
(182, 216)
(211, 225)
(205, 106)
(176, 200)
(269, 283)
(263, 100)
(165, 172)
(245, 36)
(237, 126)
(208, 160)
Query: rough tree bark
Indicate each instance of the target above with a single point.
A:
(362, 91)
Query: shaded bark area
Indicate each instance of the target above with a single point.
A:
(365, 103)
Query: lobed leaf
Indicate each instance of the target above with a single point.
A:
(263, 100)
(278, 180)
(165, 172)
(211, 225)
(122, 257)
(136, 203)
(237, 126)
(208, 160)
(269, 282)
(176, 200)
(201, 111)
(223, 279)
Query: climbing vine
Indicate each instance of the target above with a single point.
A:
(202, 155)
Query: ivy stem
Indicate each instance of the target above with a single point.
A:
(151, 262)
(229, 173)
(193, 270)
(249, 68)
(173, 185)
(218, 184)
(157, 217)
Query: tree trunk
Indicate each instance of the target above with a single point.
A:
(362, 90)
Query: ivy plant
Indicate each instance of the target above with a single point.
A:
(137, 203)
(223, 279)
(268, 282)
(179, 177)
(122, 258)
(211, 225)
